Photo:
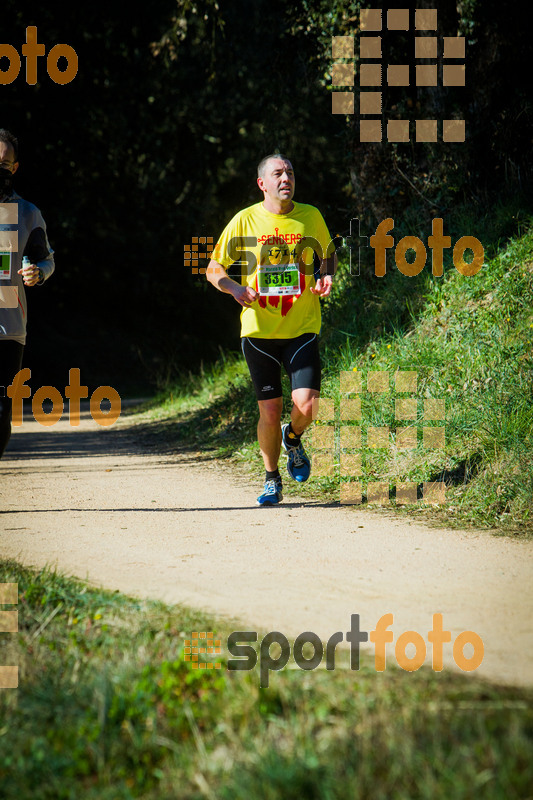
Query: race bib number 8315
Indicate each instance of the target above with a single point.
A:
(278, 279)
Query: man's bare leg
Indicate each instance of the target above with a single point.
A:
(269, 431)
(302, 409)
(299, 463)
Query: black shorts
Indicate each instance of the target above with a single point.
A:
(299, 356)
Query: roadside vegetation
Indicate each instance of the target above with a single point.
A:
(108, 709)
(470, 342)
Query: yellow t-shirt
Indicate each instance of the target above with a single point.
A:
(267, 245)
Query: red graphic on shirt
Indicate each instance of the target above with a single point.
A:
(287, 301)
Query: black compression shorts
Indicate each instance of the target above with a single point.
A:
(299, 356)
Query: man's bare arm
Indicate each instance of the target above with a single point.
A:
(217, 275)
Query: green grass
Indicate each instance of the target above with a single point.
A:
(472, 345)
(470, 340)
(107, 709)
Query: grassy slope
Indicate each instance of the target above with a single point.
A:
(107, 709)
(470, 340)
(471, 344)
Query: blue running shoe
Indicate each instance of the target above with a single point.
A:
(272, 494)
(298, 464)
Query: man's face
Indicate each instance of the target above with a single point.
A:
(278, 180)
(7, 157)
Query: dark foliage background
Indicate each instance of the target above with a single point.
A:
(157, 138)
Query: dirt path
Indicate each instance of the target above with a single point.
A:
(172, 528)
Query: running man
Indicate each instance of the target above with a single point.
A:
(280, 319)
(32, 242)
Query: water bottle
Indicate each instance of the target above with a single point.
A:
(25, 263)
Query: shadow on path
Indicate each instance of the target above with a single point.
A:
(33, 440)
(193, 509)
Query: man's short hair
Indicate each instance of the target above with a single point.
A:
(262, 164)
(8, 138)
